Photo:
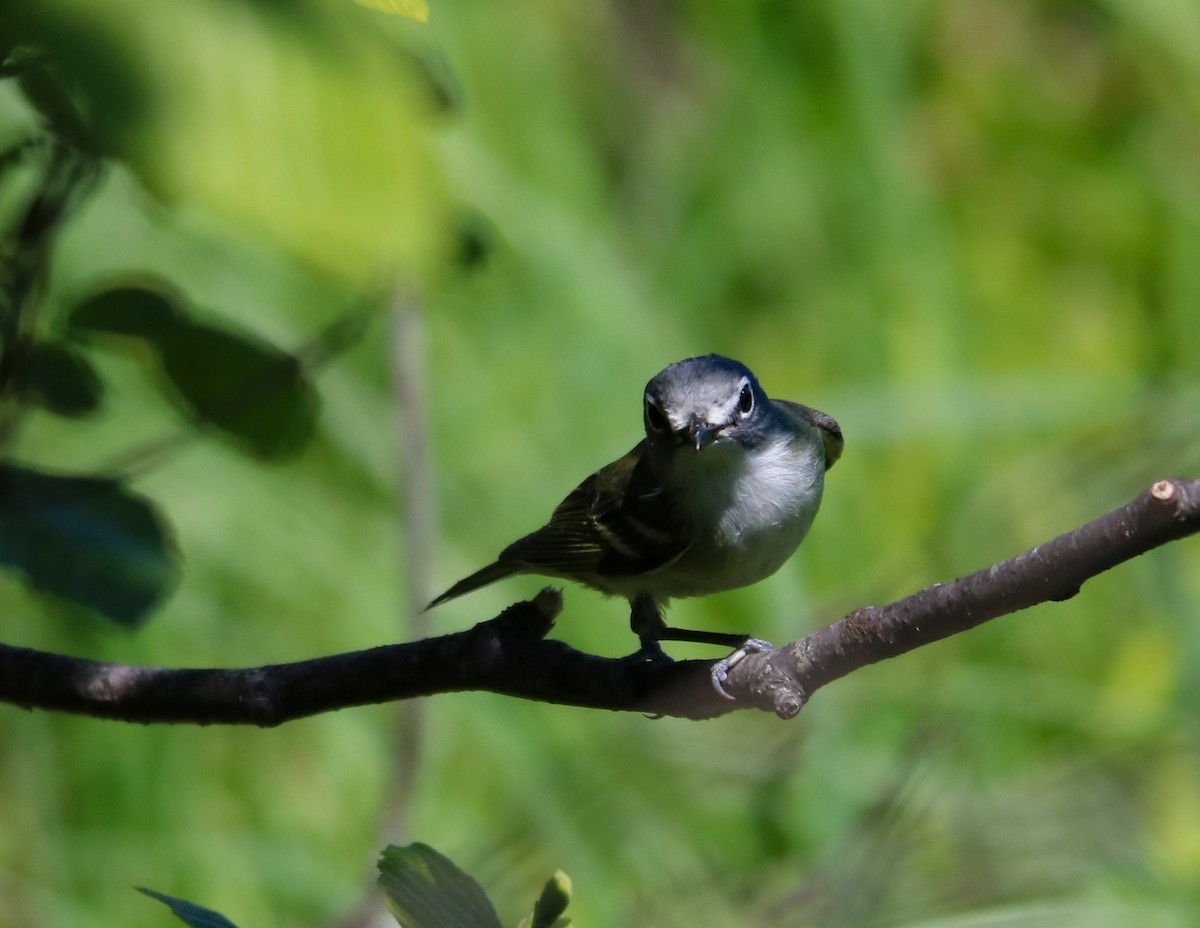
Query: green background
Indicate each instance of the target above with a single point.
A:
(968, 229)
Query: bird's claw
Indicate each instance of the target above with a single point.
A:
(720, 670)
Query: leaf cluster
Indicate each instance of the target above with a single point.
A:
(90, 538)
(423, 889)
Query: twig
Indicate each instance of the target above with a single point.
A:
(417, 492)
(509, 654)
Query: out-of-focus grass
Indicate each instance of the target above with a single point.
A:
(970, 230)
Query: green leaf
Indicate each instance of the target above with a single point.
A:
(58, 378)
(192, 914)
(330, 158)
(426, 890)
(142, 310)
(88, 540)
(250, 392)
(413, 9)
(553, 901)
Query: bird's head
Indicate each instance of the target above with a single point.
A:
(704, 401)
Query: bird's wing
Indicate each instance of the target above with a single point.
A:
(617, 523)
(831, 432)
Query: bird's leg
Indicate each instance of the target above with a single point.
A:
(647, 623)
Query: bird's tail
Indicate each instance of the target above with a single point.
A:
(490, 574)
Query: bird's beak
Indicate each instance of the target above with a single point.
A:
(702, 433)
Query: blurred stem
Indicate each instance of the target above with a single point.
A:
(416, 492)
(416, 521)
(68, 177)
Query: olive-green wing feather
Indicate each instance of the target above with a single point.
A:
(831, 432)
(617, 523)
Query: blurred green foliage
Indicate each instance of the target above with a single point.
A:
(970, 230)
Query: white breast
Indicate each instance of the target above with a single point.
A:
(749, 512)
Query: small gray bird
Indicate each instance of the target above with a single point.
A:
(718, 495)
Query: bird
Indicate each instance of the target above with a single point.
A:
(718, 495)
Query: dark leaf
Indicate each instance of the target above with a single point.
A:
(551, 904)
(249, 391)
(98, 95)
(142, 310)
(66, 181)
(46, 95)
(88, 540)
(435, 78)
(474, 241)
(15, 154)
(58, 378)
(426, 890)
(194, 915)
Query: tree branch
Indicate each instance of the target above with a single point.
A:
(510, 655)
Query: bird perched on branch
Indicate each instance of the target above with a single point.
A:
(718, 495)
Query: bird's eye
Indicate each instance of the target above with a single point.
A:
(656, 420)
(746, 400)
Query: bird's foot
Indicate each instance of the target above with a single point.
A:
(720, 670)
